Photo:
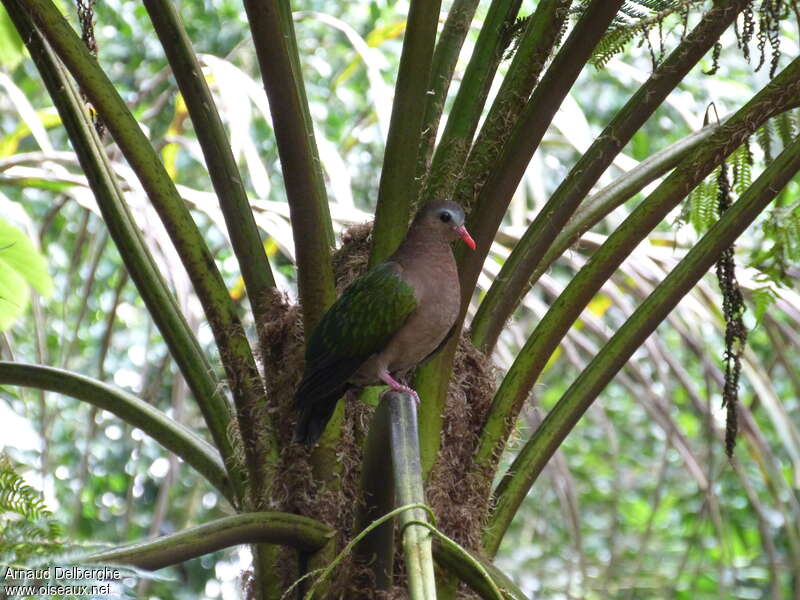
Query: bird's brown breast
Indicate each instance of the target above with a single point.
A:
(438, 302)
(435, 284)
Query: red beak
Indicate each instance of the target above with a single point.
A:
(464, 235)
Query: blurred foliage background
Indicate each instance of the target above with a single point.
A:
(640, 502)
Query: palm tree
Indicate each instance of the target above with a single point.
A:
(327, 511)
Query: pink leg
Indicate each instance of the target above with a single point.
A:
(397, 386)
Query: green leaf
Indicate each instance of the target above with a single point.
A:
(39, 183)
(14, 294)
(27, 528)
(762, 299)
(21, 264)
(48, 117)
(11, 53)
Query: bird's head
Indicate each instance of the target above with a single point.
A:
(447, 218)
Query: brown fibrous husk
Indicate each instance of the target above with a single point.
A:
(458, 495)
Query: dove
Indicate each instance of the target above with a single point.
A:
(387, 321)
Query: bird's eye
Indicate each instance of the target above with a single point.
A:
(445, 217)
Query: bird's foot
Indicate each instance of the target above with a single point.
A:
(396, 386)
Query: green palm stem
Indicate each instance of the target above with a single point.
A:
(275, 43)
(276, 528)
(576, 400)
(158, 299)
(417, 543)
(772, 99)
(173, 436)
(246, 528)
(514, 280)
(276, 48)
(496, 193)
(377, 484)
(445, 57)
(626, 186)
(432, 379)
(462, 120)
(397, 189)
(235, 353)
(598, 206)
(221, 164)
(536, 44)
(227, 182)
(466, 571)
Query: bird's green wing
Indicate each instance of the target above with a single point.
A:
(365, 318)
(358, 325)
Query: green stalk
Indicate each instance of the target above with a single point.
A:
(377, 483)
(486, 329)
(600, 205)
(445, 57)
(275, 43)
(473, 570)
(227, 182)
(489, 586)
(398, 190)
(535, 47)
(246, 528)
(451, 153)
(576, 400)
(327, 571)
(237, 358)
(509, 168)
(276, 48)
(175, 437)
(513, 281)
(225, 176)
(530, 361)
(432, 379)
(158, 299)
(417, 546)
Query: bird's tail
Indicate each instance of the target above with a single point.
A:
(314, 416)
(312, 423)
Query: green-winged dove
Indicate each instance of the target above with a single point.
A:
(387, 321)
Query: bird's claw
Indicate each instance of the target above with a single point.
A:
(411, 392)
(396, 386)
(413, 395)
